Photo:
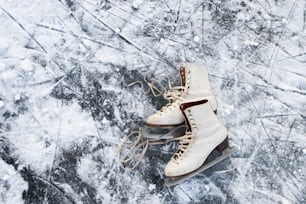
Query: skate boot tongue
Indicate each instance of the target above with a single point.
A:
(173, 95)
(176, 93)
(183, 76)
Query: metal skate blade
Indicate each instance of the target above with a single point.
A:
(171, 181)
(163, 133)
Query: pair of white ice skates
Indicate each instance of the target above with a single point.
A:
(194, 104)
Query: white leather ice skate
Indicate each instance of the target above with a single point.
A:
(194, 86)
(204, 134)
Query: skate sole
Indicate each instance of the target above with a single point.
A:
(171, 181)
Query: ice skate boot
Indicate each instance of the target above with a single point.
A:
(194, 86)
(204, 134)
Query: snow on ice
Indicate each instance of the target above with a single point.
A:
(65, 104)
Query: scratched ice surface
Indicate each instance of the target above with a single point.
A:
(65, 104)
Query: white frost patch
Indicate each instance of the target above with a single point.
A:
(26, 65)
(12, 184)
(49, 127)
(152, 187)
(3, 66)
(106, 178)
(84, 165)
(192, 190)
(196, 39)
(4, 45)
(108, 55)
(252, 43)
(136, 4)
(1, 103)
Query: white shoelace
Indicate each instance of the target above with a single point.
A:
(134, 146)
(154, 86)
(173, 96)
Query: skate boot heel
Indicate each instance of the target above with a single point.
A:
(223, 145)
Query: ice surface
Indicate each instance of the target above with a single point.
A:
(65, 104)
(12, 186)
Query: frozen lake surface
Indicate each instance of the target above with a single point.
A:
(65, 104)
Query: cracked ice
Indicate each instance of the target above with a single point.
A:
(65, 104)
